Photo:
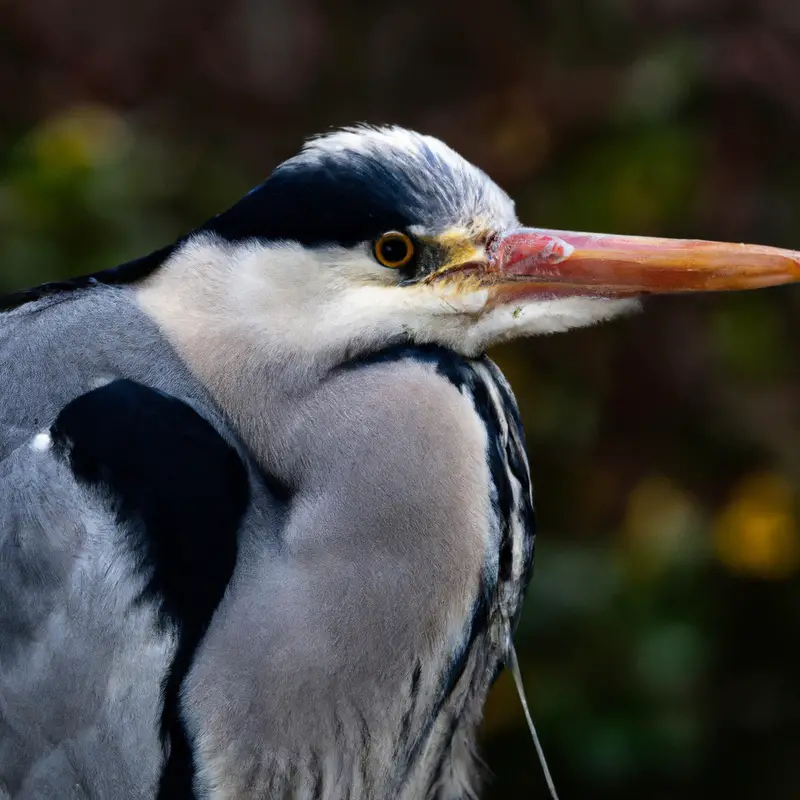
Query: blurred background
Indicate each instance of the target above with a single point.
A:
(661, 639)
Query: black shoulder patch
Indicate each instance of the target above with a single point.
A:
(182, 490)
(129, 272)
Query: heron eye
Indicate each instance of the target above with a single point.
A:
(394, 249)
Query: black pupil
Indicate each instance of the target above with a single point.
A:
(394, 250)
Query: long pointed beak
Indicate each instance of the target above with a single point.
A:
(533, 261)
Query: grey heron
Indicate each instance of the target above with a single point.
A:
(266, 520)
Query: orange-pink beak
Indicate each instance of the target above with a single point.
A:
(532, 261)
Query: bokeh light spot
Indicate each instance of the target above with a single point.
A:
(757, 533)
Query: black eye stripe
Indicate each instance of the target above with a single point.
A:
(339, 201)
(350, 197)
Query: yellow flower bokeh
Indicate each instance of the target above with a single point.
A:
(757, 533)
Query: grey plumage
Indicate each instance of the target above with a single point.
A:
(265, 511)
(75, 718)
(81, 660)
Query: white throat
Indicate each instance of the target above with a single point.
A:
(281, 302)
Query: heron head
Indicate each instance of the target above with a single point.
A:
(373, 234)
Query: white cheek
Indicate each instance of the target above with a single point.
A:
(464, 302)
(532, 319)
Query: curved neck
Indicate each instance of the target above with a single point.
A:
(406, 528)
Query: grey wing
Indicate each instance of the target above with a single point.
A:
(80, 661)
(102, 526)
